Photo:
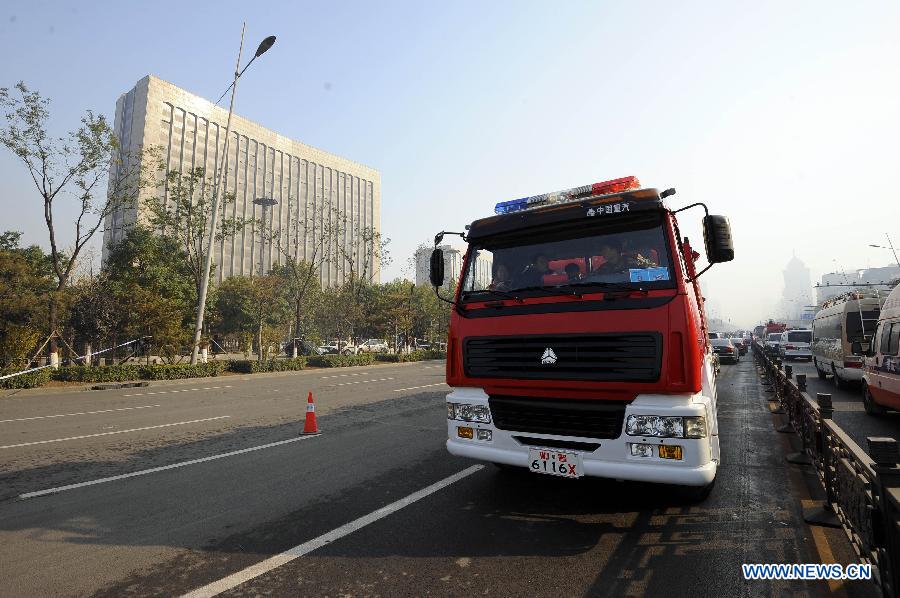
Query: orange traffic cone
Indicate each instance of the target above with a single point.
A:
(310, 426)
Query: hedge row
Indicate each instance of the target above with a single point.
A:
(274, 365)
(340, 361)
(134, 371)
(414, 356)
(32, 380)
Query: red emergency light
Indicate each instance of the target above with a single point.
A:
(604, 188)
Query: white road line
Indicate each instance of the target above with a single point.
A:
(236, 579)
(27, 419)
(135, 474)
(363, 381)
(162, 392)
(193, 421)
(416, 387)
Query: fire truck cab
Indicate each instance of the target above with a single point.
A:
(585, 352)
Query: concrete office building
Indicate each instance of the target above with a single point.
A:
(261, 163)
(833, 284)
(452, 266)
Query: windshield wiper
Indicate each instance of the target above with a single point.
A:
(555, 290)
(611, 285)
(493, 292)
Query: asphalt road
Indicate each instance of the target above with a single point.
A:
(849, 413)
(373, 506)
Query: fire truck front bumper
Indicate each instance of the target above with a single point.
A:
(667, 460)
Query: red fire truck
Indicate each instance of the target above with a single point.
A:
(578, 342)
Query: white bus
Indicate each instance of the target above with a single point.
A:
(842, 321)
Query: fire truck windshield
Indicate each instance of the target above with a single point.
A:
(575, 259)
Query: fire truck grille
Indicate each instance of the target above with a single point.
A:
(595, 357)
(563, 417)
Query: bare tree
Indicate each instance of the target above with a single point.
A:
(301, 274)
(183, 213)
(67, 169)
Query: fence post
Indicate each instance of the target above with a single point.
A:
(801, 382)
(822, 513)
(886, 455)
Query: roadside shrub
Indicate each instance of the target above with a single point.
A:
(134, 371)
(414, 356)
(245, 366)
(341, 361)
(31, 380)
(98, 373)
(178, 371)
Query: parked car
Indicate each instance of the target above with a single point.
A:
(303, 348)
(713, 335)
(881, 373)
(725, 350)
(328, 349)
(421, 345)
(372, 345)
(795, 344)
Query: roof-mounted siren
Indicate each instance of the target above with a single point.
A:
(627, 183)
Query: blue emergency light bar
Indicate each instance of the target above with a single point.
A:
(545, 199)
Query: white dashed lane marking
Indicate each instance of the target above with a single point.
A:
(165, 392)
(193, 421)
(345, 375)
(25, 419)
(417, 387)
(363, 381)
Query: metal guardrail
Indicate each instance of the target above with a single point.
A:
(862, 491)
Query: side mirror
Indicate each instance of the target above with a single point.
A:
(717, 238)
(436, 273)
(856, 348)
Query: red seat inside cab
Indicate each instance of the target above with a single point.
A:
(558, 267)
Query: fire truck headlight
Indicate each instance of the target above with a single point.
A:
(655, 425)
(695, 427)
(469, 413)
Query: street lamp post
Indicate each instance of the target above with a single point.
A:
(265, 203)
(207, 262)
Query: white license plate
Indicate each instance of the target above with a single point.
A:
(568, 465)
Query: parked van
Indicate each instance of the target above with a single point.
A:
(842, 321)
(795, 344)
(881, 374)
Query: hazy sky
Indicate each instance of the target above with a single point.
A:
(784, 116)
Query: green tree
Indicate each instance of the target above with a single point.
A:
(181, 213)
(254, 305)
(25, 283)
(149, 277)
(67, 169)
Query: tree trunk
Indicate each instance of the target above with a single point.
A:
(259, 347)
(52, 318)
